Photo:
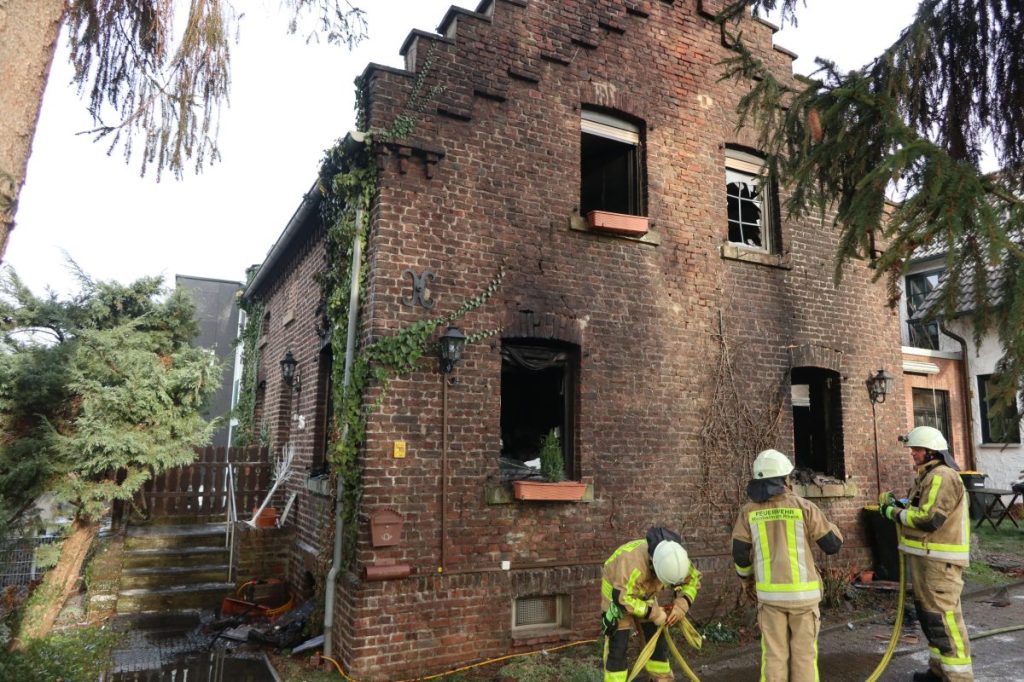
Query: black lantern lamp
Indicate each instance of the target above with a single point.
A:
(879, 385)
(288, 368)
(451, 344)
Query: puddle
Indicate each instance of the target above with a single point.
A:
(834, 667)
(213, 666)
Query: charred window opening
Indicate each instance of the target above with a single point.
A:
(611, 165)
(325, 407)
(818, 420)
(538, 394)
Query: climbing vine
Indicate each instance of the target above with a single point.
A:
(737, 425)
(246, 432)
(348, 183)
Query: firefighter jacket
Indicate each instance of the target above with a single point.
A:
(629, 582)
(771, 542)
(936, 525)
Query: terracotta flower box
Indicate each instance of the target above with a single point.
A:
(268, 518)
(564, 491)
(618, 223)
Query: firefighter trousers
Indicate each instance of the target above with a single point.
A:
(615, 665)
(789, 642)
(937, 587)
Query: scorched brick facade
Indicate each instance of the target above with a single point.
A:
(512, 104)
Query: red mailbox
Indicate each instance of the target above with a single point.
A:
(385, 528)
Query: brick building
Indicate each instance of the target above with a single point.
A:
(656, 313)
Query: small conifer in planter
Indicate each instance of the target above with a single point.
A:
(552, 466)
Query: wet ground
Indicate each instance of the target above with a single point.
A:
(182, 646)
(849, 652)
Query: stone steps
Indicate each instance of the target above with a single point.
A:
(173, 597)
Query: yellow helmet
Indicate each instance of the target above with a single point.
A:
(772, 464)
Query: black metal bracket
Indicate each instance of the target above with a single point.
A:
(420, 292)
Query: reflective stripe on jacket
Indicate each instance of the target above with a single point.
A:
(772, 542)
(628, 579)
(936, 525)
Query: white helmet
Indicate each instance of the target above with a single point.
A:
(671, 564)
(772, 464)
(926, 437)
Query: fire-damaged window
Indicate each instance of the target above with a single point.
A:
(750, 206)
(538, 396)
(325, 409)
(611, 165)
(818, 420)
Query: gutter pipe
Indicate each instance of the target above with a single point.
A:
(350, 344)
(965, 387)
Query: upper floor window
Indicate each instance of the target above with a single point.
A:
(611, 165)
(818, 420)
(921, 334)
(749, 201)
(998, 424)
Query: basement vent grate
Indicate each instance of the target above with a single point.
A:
(539, 612)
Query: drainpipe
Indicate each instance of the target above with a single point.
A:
(350, 346)
(965, 387)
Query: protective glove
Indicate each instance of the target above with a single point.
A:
(888, 511)
(657, 615)
(680, 607)
(610, 619)
(886, 498)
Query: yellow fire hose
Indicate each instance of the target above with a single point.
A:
(693, 638)
(897, 627)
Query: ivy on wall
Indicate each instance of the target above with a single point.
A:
(246, 432)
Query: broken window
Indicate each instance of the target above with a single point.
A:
(325, 410)
(611, 165)
(818, 420)
(750, 207)
(538, 395)
(931, 408)
(999, 424)
(921, 334)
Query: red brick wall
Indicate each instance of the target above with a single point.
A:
(490, 179)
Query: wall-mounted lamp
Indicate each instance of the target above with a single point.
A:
(451, 344)
(879, 385)
(290, 371)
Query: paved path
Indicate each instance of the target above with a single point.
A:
(850, 652)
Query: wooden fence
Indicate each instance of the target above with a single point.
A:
(200, 489)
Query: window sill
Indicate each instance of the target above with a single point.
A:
(502, 493)
(538, 637)
(579, 224)
(812, 491)
(289, 317)
(319, 485)
(730, 251)
(998, 446)
(262, 341)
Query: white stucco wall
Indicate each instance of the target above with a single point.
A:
(1002, 462)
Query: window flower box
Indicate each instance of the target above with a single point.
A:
(618, 223)
(563, 491)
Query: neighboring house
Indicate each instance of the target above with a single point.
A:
(656, 312)
(948, 375)
(216, 302)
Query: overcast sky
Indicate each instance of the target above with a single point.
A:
(290, 101)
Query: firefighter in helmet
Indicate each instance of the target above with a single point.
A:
(935, 538)
(771, 546)
(630, 581)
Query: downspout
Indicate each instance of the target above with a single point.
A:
(965, 387)
(350, 346)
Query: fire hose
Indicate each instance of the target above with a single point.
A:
(690, 634)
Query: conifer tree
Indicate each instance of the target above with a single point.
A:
(896, 149)
(97, 392)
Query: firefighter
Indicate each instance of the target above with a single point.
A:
(771, 546)
(935, 539)
(630, 581)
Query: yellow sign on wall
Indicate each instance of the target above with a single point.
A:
(399, 448)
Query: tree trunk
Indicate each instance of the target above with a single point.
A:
(59, 584)
(28, 39)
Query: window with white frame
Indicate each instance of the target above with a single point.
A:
(611, 164)
(749, 201)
